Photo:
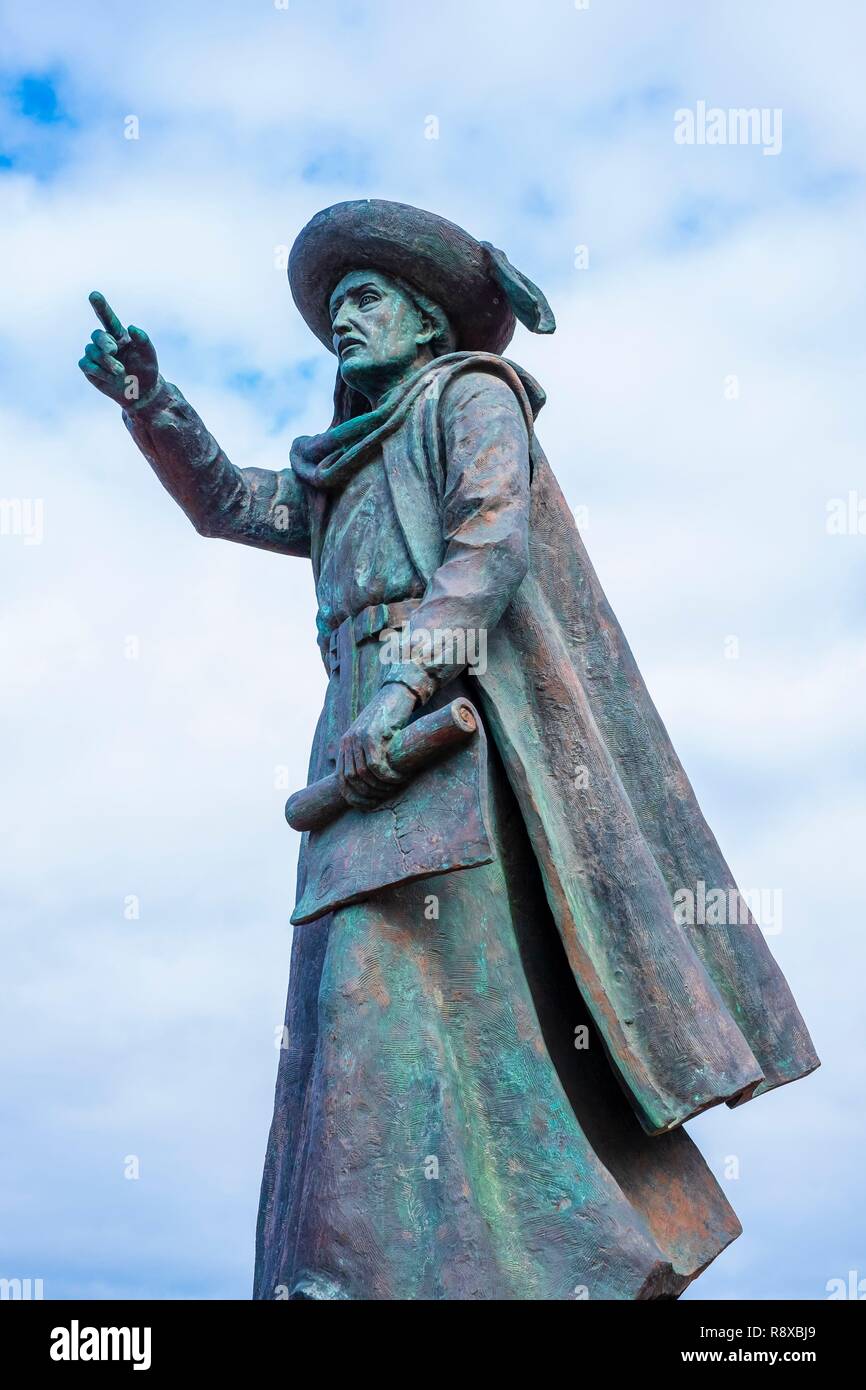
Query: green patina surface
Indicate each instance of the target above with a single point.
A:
(437, 1133)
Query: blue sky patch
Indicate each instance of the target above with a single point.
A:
(36, 99)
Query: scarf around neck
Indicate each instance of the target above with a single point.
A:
(327, 461)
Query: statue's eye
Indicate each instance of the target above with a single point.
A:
(368, 298)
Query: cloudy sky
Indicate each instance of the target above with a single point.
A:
(159, 691)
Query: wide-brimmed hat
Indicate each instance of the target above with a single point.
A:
(474, 283)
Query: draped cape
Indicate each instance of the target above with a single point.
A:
(690, 1013)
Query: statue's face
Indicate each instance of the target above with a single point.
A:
(379, 333)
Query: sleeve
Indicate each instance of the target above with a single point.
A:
(486, 532)
(252, 505)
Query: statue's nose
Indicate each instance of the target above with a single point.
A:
(341, 323)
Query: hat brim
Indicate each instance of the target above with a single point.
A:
(436, 256)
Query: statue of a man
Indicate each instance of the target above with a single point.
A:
(488, 1069)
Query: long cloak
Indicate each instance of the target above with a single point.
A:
(690, 1014)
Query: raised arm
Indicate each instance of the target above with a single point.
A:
(254, 506)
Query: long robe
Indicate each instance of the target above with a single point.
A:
(596, 829)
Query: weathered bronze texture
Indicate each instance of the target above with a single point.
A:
(433, 822)
(487, 1070)
(412, 748)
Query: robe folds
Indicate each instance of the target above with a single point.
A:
(598, 831)
(690, 1014)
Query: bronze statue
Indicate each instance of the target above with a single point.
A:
(498, 1018)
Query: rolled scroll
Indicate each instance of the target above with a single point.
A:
(420, 742)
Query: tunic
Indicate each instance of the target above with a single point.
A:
(423, 1144)
(447, 1123)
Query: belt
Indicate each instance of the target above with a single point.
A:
(379, 617)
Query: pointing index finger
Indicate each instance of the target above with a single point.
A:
(107, 317)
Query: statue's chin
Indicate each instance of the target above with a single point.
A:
(374, 378)
(356, 376)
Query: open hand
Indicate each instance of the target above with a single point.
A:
(119, 362)
(365, 773)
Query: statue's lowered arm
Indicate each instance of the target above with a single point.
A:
(484, 557)
(255, 506)
(485, 524)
